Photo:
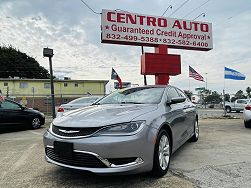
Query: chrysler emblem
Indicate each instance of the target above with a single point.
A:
(68, 132)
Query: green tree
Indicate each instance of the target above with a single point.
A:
(213, 98)
(240, 95)
(233, 99)
(227, 97)
(15, 63)
(204, 94)
(248, 90)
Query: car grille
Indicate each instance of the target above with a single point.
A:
(78, 159)
(71, 132)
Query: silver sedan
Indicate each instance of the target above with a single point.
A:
(129, 131)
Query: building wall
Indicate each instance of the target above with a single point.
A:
(40, 99)
(42, 87)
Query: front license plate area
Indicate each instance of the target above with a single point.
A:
(63, 148)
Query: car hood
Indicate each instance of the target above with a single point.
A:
(31, 110)
(101, 115)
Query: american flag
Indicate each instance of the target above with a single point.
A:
(195, 75)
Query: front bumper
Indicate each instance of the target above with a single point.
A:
(104, 148)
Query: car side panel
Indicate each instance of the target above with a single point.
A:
(13, 117)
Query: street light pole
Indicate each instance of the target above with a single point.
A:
(52, 90)
(47, 52)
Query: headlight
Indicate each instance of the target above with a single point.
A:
(122, 129)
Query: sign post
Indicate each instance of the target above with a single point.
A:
(120, 27)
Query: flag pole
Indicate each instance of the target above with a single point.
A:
(189, 77)
(206, 80)
(189, 81)
(224, 101)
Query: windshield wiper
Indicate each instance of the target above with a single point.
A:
(95, 104)
(130, 102)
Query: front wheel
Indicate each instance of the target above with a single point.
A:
(247, 124)
(35, 123)
(196, 133)
(228, 109)
(162, 154)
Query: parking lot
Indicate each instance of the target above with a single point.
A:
(221, 158)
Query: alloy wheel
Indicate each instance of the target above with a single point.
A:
(196, 129)
(36, 123)
(164, 152)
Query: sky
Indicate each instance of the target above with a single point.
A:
(73, 31)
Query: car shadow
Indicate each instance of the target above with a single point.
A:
(12, 129)
(15, 129)
(69, 177)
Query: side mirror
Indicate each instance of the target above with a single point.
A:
(176, 100)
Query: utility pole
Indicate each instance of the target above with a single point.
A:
(47, 52)
(7, 93)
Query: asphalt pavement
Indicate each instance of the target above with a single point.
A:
(221, 158)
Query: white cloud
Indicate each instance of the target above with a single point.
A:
(74, 34)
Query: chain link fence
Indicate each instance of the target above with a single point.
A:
(43, 103)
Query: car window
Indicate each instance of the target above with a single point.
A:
(182, 94)
(84, 100)
(242, 101)
(172, 93)
(10, 105)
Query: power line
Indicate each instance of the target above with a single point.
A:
(170, 6)
(238, 13)
(196, 8)
(179, 7)
(202, 14)
(90, 7)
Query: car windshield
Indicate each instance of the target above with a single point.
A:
(140, 95)
(84, 100)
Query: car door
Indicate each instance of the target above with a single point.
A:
(190, 111)
(11, 113)
(177, 119)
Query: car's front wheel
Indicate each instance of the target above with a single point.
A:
(196, 133)
(228, 109)
(35, 123)
(162, 154)
(247, 124)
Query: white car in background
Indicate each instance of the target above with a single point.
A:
(247, 115)
(76, 104)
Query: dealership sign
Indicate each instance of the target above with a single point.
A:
(120, 27)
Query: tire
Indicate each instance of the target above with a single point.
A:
(196, 133)
(228, 109)
(36, 123)
(162, 154)
(247, 125)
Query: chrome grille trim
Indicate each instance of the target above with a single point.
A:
(72, 137)
(104, 161)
